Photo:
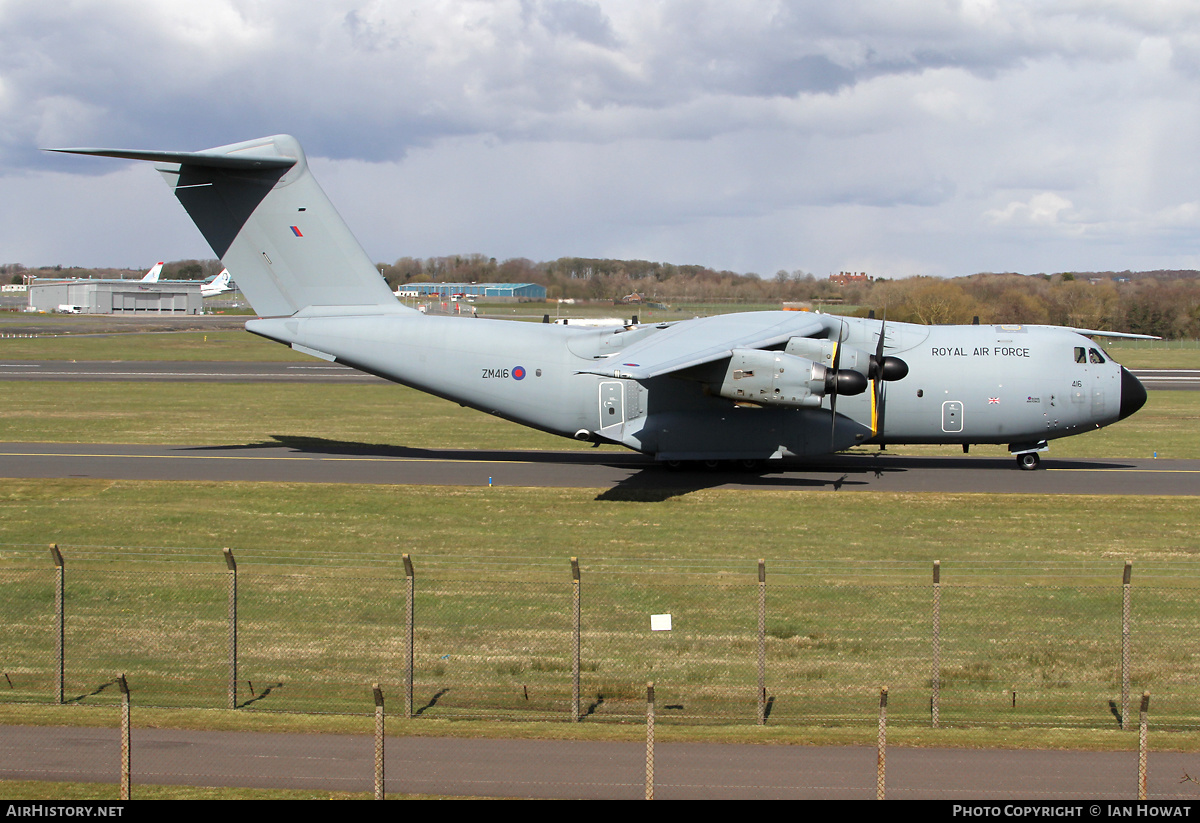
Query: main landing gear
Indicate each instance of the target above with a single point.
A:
(1027, 454)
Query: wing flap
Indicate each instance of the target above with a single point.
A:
(703, 340)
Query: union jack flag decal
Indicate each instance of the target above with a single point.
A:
(993, 400)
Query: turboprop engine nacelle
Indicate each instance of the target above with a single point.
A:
(773, 378)
(822, 351)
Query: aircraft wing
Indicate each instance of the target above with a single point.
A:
(703, 340)
(1101, 333)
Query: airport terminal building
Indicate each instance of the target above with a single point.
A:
(169, 297)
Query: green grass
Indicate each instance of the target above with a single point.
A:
(1154, 354)
(367, 524)
(186, 346)
(1030, 600)
(212, 414)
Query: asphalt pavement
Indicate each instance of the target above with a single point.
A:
(465, 767)
(621, 475)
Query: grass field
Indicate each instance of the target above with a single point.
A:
(1031, 602)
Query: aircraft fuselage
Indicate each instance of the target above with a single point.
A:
(1015, 385)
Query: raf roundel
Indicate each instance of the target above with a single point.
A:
(518, 372)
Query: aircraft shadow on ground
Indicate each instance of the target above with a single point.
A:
(321, 445)
(651, 481)
(853, 463)
(655, 484)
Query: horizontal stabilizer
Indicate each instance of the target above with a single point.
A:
(191, 158)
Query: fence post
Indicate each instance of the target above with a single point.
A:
(1126, 585)
(575, 643)
(650, 740)
(410, 576)
(762, 641)
(378, 694)
(935, 679)
(881, 746)
(232, 582)
(60, 619)
(1145, 712)
(125, 748)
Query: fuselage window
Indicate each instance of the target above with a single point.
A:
(1080, 355)
(1096, 356)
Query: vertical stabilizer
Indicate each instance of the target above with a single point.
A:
(152, 275)
(259, 207)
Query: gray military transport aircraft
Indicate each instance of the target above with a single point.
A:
(748, 387)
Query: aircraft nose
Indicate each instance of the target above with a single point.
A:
(1133, 393)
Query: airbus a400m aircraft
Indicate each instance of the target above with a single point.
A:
(745, 387)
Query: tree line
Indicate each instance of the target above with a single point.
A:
(1163, 303)
(177, 270)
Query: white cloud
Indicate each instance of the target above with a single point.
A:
(1042, 209)
(760, 135)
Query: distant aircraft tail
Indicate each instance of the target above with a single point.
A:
(259, 207)
(152, 275)
(217, 284)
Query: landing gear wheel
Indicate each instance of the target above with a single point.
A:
(1028, 461)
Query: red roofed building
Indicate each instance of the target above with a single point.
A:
(845, 278)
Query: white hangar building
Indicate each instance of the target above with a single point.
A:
(169, 297)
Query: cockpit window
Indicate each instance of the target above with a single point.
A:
(1095, 356)
(1080, 355)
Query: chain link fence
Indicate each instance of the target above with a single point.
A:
(776, 643)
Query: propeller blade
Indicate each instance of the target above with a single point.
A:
(878, 364)
(879, 345)
(837, 357)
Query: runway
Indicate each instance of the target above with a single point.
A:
(315, 371)
(618, 475)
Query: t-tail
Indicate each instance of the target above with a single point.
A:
(264, 215)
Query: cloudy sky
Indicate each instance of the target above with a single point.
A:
(895, 137)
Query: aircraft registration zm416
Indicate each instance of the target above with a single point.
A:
(746, 387)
